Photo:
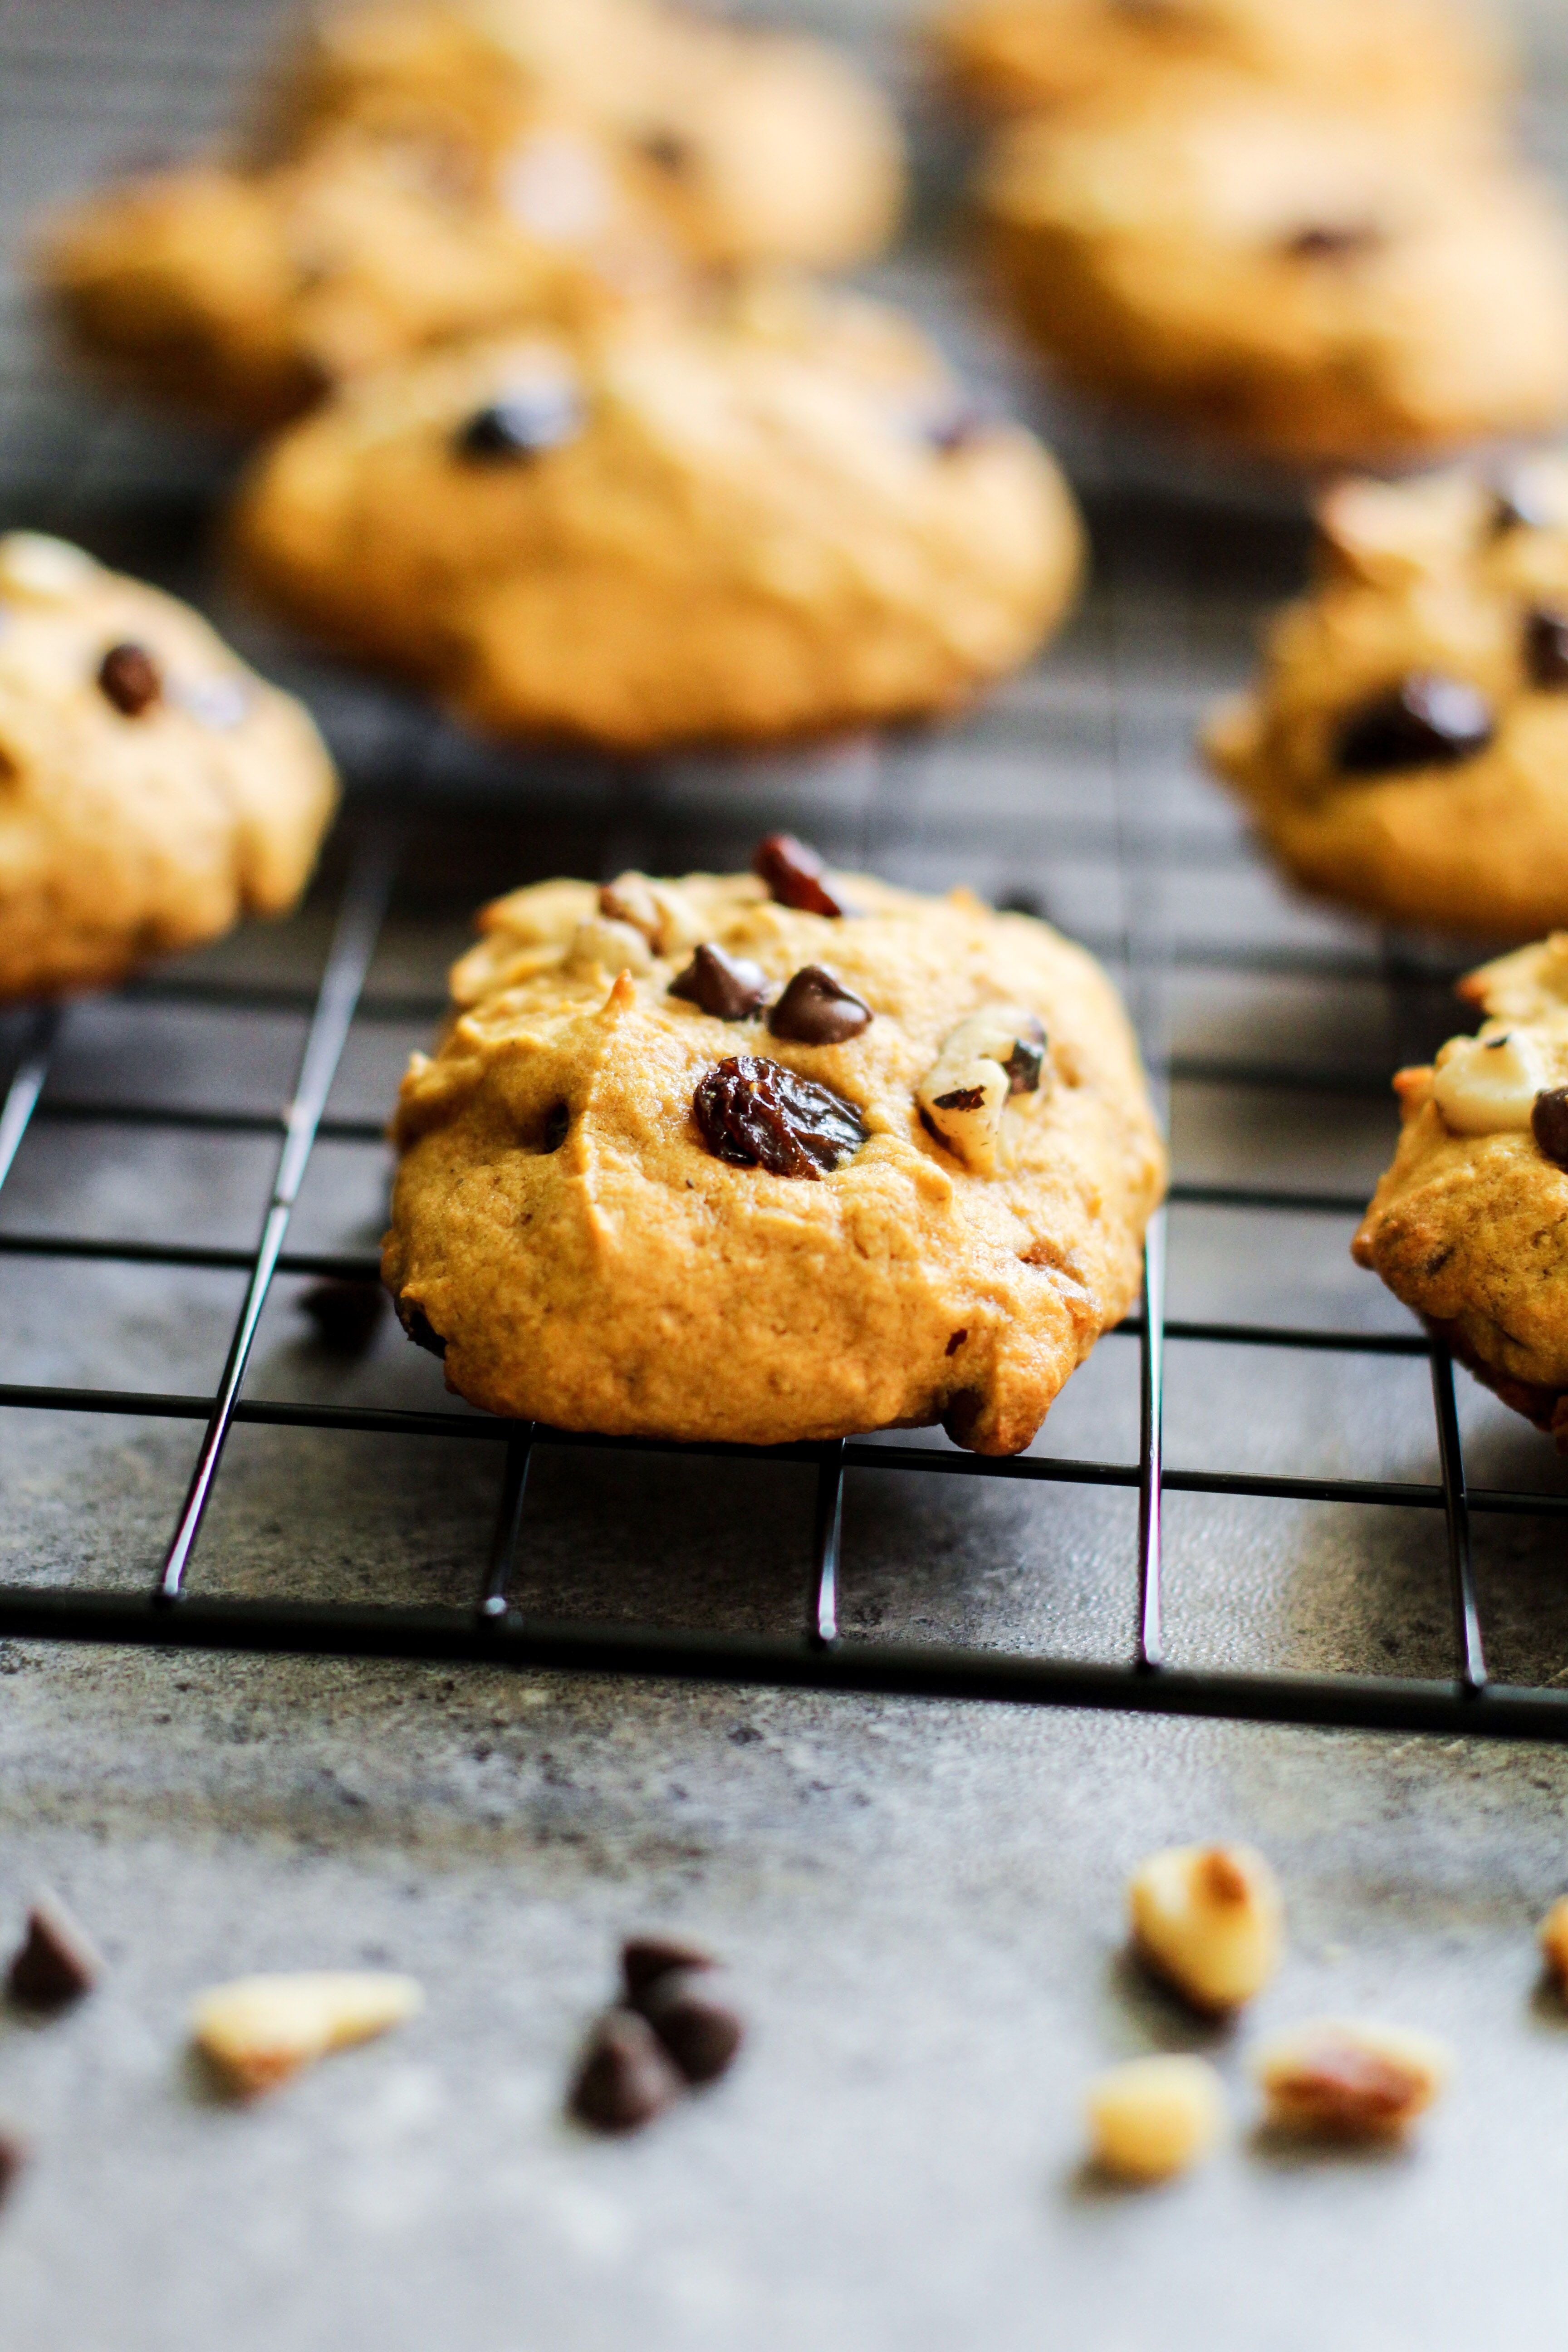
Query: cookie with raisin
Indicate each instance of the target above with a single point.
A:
(652, 1184)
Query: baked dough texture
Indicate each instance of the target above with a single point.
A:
(147, 812)
(1317, 286)
(425, 172)
(783, 523)
(1021, 57)
(1453, 580)
(559, 1223)
(1470, 1228)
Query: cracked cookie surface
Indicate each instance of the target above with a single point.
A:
(589, 1254)
(152, 788)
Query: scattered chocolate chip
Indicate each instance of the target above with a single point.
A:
(956, 1342)
(129, 678)
(420, 1328)
(1334, 241)
(1426, 721)
(1546, 649)
(345, 1314)
(646, 1959)
(962, 1098)
(13, 2153)
(522, 424)
(794, 873)
(1026, 1061)
(557, 1122)
(818, 1009)
(756, 1114)
(57, 1962)
(687, 2009)
(731, 988)
(1549, 1124)
(666, 151)
(626, 2077)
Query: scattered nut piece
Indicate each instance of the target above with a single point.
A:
(1355, 2082)
(261, 2030)
(995, 1053)
(624, 2078)
(1209, 1918)
(1155, 2118)
(643, 1958)
(1554, 1940)
(14, 2154)
(687, 2009)
(58, 1961)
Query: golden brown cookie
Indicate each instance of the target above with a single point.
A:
(152, 788)
(1469, 1226)
(1317, 286)
(780, 523)
(1021, 57)
(1406, 747)
(758, 1161)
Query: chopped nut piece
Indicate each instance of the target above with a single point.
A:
(605, 946)
(1358, 2082)
(1209, 1919)
(44, 570)
(259, 2030)
(1155, 2118)
(626, 2077)
(655, 909)
(1554, 1940)
(993, 1054)
(58, 1961)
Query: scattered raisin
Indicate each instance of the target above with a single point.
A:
(1549, 1124)
(815, 1009)
(731, 988)
(345, 1314)
(794, 873)
(756, 1114)
(1546, 649)
(129, 678)
(1426, 721)
(522, 424)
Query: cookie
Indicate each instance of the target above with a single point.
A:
(767, 1157)
(1315, 286)
(1469, 1226)
(243, 295)
(1405, 750)
(152, 788)
(784, 522)
(767, 147)
(1022, 56)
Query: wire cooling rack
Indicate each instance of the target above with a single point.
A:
(83, 87)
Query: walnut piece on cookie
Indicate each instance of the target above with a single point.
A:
(621, 1209)
(1469, 1225)
(779, 522)
(1274, 273)
(1406, 746)
(152, 788)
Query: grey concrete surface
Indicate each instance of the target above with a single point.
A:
(922, 1901)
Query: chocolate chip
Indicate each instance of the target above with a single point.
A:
(345, 1314)
(666, 151)
(794, 873)
(130, 679)
(1334, 241)
(646, 1959)
(731, 988)
(1026, 1061)
(522, 424)
(419, 1327)
(13, 2153)
(57, 1962)
(1426, 721)
(1546, 649)
(1549, 1124)
(687, 2009)
(624, 2077)
(818, 1009)
(756, 1114)
(962, 1098)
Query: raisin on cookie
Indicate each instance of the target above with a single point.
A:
(1469, 1226)
(1405, 750)
(152, 788)
(1316, 286)
(742, 530)
(651, 1185)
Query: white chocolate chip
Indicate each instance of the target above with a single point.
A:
(1355, 2081)
(259, 2030)
(1209, 1918)
(1487, 1085)
(1155, 2118)
(43, 569)
(993, 1054)
(599, 945)
(1554, 1940)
